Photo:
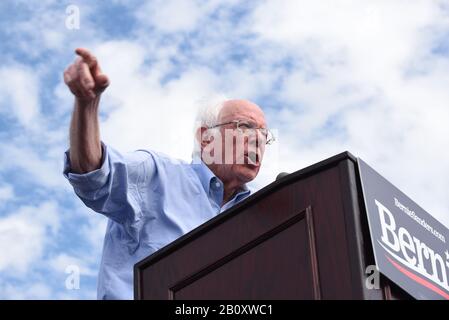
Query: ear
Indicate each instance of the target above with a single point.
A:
(202, 137)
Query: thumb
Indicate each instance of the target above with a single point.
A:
(101, 80)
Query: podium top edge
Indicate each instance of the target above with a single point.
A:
(311, 169)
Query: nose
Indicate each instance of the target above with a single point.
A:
(256, 142)
(253, 139)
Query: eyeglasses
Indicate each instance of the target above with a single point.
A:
(248, 127)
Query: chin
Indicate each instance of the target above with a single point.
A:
(247, 173)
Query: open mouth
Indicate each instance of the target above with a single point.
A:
(252, 158)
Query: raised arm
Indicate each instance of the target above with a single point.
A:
(86, 81)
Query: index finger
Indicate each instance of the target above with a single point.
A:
(88, 57)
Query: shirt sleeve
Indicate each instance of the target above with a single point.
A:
(113, 189)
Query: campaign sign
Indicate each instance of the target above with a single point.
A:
(410, 246)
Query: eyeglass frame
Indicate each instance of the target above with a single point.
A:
(237, 122)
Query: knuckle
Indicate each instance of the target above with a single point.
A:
(67, 80)
(71, 70)
(87, 84)
(73, 80)
(76, 63)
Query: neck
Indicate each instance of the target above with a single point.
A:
(230, 189)
(230, 186)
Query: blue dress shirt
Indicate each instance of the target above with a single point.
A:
(150, 200)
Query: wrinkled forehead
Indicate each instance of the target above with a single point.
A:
(242, 110)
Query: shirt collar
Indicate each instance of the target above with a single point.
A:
(207, 177)
(204, 173)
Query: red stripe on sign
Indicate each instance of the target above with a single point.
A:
(419, 280)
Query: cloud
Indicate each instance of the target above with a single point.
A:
(171, 15)
(363, 79)
(41, 239)
(19, 95)
(62, 263)
(35, 291)
(38, 28)
(36, 168)
(6, 193)
(24, 235)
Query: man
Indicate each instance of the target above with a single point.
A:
(150, 199)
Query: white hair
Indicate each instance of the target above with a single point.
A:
(207, 116)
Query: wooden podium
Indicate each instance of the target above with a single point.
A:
(304, 236)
